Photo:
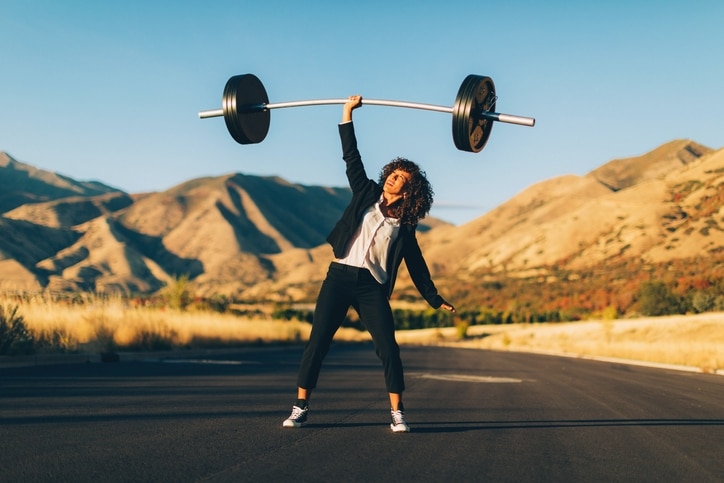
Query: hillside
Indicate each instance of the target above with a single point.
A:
(222, 232)
(21, 183)
(262, 238)
(661, 206)
(573, 243)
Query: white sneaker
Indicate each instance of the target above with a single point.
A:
(297, 419)
(398, 424)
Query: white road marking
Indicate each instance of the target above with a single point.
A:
(468, 378)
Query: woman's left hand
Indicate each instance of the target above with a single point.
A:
(448, 307)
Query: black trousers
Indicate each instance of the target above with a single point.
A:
(345, 287)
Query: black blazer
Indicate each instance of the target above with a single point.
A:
(366, 192)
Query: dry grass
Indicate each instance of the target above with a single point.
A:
(694, 340)
(103, 324)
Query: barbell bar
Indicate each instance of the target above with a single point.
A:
(246, 110)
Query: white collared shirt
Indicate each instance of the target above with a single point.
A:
(370, 245)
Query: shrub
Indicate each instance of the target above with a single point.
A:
(15, 338)
(609, 313)
(461, 328)
(176, 294)
(656, 298)
(702, 301)
(718, 303)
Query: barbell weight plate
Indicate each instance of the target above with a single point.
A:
(460, 112)
(243, 106)
(470, 130)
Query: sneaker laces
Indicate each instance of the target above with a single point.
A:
(296, 412)
(398, 417)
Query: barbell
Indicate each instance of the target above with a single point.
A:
(246, 110)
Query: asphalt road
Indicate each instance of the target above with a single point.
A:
(475, 416)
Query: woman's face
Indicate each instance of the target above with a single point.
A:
(396, 181)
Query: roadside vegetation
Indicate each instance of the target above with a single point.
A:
(177, 320)
(628, 289)
(43, 323)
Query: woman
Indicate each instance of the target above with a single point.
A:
(376, 231)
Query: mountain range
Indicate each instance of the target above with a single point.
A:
(263, 238)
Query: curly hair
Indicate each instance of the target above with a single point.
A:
(418, 193)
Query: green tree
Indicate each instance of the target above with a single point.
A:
(656, 298)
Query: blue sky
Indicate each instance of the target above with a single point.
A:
(110, 91)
